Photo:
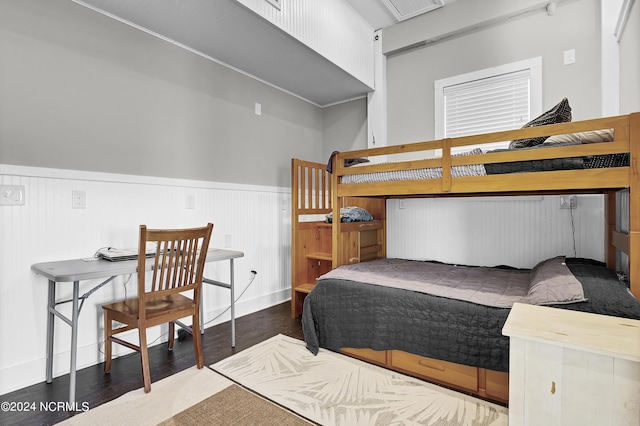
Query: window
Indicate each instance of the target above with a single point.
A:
(490, 100)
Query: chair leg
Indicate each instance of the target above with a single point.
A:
(107, 341)
(172, 332)
(197, 341)
(144, 356)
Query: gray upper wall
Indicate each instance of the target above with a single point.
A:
(412, 73)
(345, 127)
(81, 91)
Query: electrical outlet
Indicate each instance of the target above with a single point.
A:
(568, 202)
(190, 202)
(227, 241)
(11, 195)
(79, 199)
(401, 203)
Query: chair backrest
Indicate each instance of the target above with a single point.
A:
(178, 263)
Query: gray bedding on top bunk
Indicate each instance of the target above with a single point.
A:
(552, 164)
(341, 313)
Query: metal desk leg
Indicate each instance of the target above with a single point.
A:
(51, 305)
(74, 343)
(202, 309)
(233, 310)
(231, 287)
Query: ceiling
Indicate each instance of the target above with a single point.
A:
(229, 33)
(383, 13)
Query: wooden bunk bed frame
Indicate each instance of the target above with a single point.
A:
(315, 192)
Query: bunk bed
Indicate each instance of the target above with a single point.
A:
(336, 310)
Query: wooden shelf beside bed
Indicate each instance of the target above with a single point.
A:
(317, 192)
(312, 252)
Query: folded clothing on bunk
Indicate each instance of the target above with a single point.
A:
(351, 214)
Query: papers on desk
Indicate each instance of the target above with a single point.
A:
(115, 255)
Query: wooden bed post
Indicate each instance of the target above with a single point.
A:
(634, 205)
(610, 228)
(336, 247)
(294, 236)
(446, 165)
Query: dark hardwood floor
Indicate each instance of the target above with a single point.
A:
(95, 388)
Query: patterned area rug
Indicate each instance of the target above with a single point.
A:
(190, 398)
(333, 389)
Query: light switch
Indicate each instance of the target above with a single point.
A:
(570, 56)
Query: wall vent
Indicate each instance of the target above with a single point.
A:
(405, 9)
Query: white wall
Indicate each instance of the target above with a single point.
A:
(492, 231)
(610, 87)
(256, 220)
(630, 62)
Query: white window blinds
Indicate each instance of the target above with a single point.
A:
(490, 100)
(488, 105)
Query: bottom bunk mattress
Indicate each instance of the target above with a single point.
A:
(342, 313)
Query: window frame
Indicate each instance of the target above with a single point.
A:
(533, 65)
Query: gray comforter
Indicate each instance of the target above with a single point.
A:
(498, 287)
(341, 313)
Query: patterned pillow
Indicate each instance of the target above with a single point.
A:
(561, 113)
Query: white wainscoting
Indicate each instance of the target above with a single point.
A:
(252, 219)
(514, 231)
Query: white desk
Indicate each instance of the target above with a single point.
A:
(80, 270)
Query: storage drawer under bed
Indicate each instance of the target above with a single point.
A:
(479, 381)
(461, 376)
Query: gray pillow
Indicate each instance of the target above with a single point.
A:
(596, 136)
(552, 283)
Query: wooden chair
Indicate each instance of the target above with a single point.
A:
(177, 267)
